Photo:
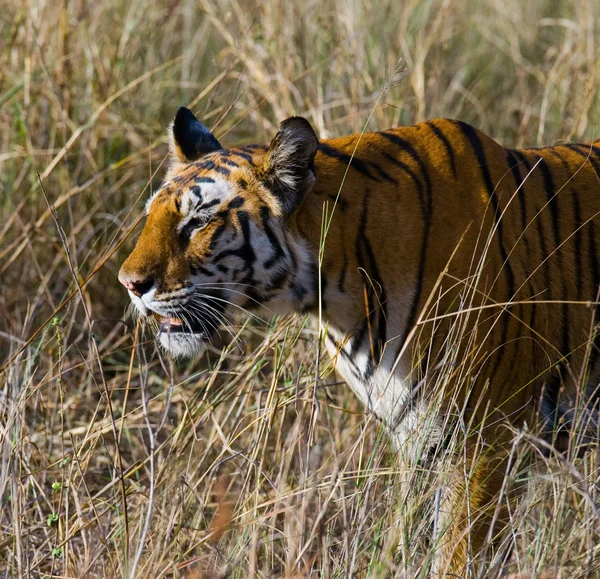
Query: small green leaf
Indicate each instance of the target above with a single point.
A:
(64, 461)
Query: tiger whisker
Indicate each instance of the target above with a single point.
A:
(241, 308)
(201, 320)
(222, 322)
(257, 302)
(219, 317)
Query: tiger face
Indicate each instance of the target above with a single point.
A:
(215, 241)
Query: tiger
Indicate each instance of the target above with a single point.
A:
(390, 238)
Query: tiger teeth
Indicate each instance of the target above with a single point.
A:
(168, 321)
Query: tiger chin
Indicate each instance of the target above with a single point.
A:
(426, 226)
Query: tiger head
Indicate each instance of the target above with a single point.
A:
(217, 238)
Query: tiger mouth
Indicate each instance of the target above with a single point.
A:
(175, 325)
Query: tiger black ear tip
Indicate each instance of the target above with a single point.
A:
(301, 127)
(184, 114)
(192, 137)
(184, 121)
(296, 123)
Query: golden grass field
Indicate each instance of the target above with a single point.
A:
(257, 462)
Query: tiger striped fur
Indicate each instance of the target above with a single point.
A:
(430, 225)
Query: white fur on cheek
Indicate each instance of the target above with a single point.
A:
(138, 303)
(153, 197)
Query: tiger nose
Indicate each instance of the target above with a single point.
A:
(136, 286)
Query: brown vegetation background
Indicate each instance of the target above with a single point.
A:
(115, 462)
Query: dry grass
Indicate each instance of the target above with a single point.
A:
(115, 463)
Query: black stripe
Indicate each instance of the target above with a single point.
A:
(203, 180)
(189, 228)
(353, 162)
(242, 155)
(425, 202)
(516, 158)
(449, 150)
(528, 168)
(585, 152)
(339, 348)
(525, 162)
(595, 268)
(426, 211)
(513, 163)
(341, 203)
(385, 176)
(365, 253)
(216, 235)
(590, 148)
(554, 151)
(236, 203)
(245, 251)
(358, 337)
(479, 153)
(578, 234)
(196, 190)
(407, 147)
(552, 197)
(209, 204)
(222, 170)
(278, 252)
(206, 165)
(299, 291)
(544, 256)
(254, 295)
(278, 280)
(412, 175)
(203, 270)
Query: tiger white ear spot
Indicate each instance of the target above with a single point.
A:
(289, 165)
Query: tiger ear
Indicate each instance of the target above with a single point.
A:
(289, 170)
(189, 139)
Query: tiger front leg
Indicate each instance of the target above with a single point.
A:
(472, 511)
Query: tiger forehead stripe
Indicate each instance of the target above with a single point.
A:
(205, 193)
